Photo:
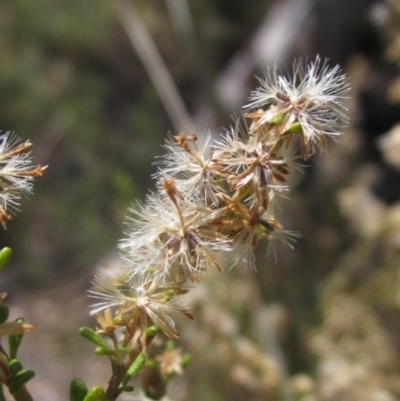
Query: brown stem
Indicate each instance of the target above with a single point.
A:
(22, 394)
(119, 370)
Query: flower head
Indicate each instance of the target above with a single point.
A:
(141, 302)
(251, 166)
(170, 236)
(250, 225)
(190, 162)
(16, 173)
(311, 103)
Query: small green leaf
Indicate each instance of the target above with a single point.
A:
(18, 380)
(135, 368)
(295, 127)
(24, 376)
(92, 336)
(5, 257)
(104, 351)
(152, 331)
(15, 366)
(77, 390)
(4, 313)
(14, 341)
(126, 389)
(186, 358)
(95, 394)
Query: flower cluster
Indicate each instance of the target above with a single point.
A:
(16, 173)
(218, 198)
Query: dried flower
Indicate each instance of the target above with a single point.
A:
(171, 237)
(12, 328)
(105, 320)
(211, 199)
(251, 166)
(141, 302)
(313, 98)
(170, 362)
(252, 224)
(190, 162)
(16, 173)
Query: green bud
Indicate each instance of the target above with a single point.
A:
(4, 313)
(95, 394)
(277, 120)
(186, 358)
(92, 336)
(24, 376)
(104, 351)
(14, 341)
(127, 389)
(15, 366)
(135, 368)
(152, 331)
(5, 257)
(77, 390)
(295, 127)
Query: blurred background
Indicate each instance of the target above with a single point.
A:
(97, 85)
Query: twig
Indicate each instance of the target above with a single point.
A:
(159, 74)
(119, 370)
(181, 18)
(22, 394)
(266, 322)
